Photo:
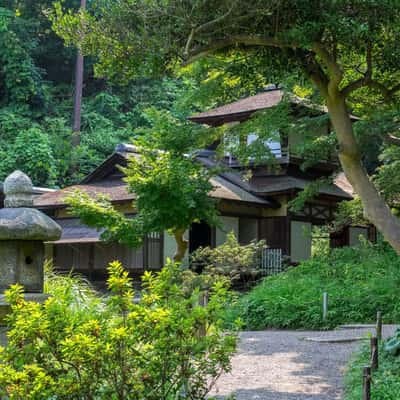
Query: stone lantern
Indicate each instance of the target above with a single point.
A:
(23, 231)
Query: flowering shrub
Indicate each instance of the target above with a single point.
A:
(167, 346)
(239, 264)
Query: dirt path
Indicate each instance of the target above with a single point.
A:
(281, 365)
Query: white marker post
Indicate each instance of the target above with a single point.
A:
(324, 306)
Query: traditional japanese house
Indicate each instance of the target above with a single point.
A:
(80, 247)
(253, 209)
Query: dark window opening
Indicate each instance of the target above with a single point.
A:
(28, 260)
(200, 235)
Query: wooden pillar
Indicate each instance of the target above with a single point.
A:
(162, 249)
(145, 253)
(91, 261)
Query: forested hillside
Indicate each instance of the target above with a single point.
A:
(36, 101)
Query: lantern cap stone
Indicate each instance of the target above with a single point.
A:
(18, 190)
(18, 221)
(27, 224)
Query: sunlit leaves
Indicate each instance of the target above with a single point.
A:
(114, 347)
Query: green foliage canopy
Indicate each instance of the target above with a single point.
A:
(36, 91)
(132, 36)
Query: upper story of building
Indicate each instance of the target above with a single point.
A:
(284, 146)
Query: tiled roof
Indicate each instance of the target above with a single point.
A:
(228, 185)
(229, 191)
(117, 191)
(74, 231)
(342, 182)
(250, 104)
(241, 109)
(276, 184)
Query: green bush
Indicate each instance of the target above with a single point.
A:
(240, 264)
(168, 346)
(359, 281)
(385, 381)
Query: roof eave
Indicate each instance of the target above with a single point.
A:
(218, 120)
(297, 189)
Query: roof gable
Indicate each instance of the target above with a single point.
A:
(108, 169)
(240, 109)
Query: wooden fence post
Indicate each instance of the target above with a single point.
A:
(366, 389)
(374, 353)
(324, 306)
(379, 325)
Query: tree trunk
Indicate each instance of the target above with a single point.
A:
(375, 208)
(181, 245)
(76, 137)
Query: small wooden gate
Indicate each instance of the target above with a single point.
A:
(271, 261)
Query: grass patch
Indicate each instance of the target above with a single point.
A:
(385, 381)
(359, 282)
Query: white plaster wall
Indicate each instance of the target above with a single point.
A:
(170, 248)
(355, 233)
(300, 240)
(228, 224)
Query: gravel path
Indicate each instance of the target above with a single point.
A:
(281, 365)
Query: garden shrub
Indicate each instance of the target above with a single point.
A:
(167, 346)
(240, 264)
(359, 281)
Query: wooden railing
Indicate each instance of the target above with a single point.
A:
(282, 154)
(331, 158)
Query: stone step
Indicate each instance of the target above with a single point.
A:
(357, 326)
(335, 339)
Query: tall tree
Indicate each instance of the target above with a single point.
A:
(171, 189)
(342, 46)
(78, 91)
